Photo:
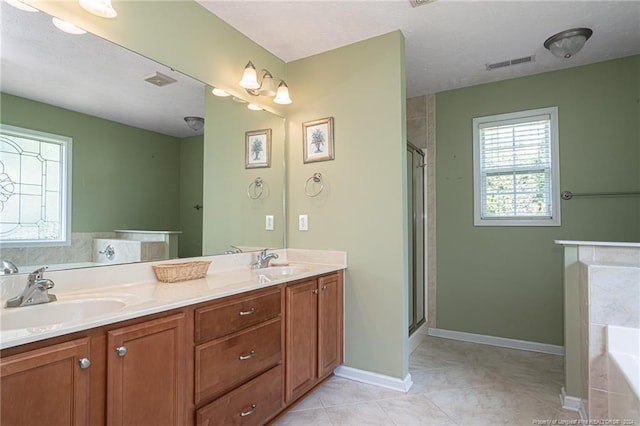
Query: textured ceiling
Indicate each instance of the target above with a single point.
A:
(448, 43)
(88, 74)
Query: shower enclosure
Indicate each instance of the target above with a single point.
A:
(416, 211)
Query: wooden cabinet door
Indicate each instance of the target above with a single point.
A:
(301, 338)
(46, 386)
(146, 373)
(330, 323)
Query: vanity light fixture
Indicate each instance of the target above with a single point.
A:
(101, 8)
(195, 123)
(67, 27)
(22, 6)
(219, 92)
(567, 43)
(254, 107)
(266, 86)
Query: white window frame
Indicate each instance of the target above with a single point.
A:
(66, 144)
(554, 196)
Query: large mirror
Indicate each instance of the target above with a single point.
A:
(137, 165)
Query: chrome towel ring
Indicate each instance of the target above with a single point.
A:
(316, 178)
(255, 189)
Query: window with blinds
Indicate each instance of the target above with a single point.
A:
(516, 169)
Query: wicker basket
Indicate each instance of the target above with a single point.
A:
(174, 272)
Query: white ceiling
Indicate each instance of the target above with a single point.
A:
(88, 74)
(448, 42)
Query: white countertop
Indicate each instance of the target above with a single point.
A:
(148, 296)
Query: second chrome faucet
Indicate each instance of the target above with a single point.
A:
(263, 259)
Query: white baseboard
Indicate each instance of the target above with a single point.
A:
(573, 403)
(417, 337)
(374, 378)
(497, 341)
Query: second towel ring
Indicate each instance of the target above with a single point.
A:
(316, 178)
(255, 189)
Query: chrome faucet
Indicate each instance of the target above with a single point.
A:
(36, 292)
(263, 259)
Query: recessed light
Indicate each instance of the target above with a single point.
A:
(219, 92)
(67, 27)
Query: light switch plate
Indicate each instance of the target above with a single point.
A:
(268, 222)
(303, 222)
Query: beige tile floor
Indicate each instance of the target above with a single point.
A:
(454, 383)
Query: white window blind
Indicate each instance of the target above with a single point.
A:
(515, 163)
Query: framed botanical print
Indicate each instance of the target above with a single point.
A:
(317, 137)
(258, 148)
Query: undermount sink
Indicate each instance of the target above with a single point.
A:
(48, 315)
(283, 271)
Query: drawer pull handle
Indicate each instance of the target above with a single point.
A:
(121, 350)
(250, 412)
(249, 312)
(84, 363)
(248, 356)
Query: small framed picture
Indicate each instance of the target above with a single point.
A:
(258, 148)
(317, 139)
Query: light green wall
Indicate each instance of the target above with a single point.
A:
(191, 175)
(362, 209)
(507, 281)
(230, 217)
(123, 177)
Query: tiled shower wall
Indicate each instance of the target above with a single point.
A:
(609, 295)
(421, 132)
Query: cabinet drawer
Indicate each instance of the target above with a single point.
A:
(229, 361)
(251, 404)
(228, 317)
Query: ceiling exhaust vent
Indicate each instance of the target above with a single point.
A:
(502, 64)
(416, 3)
(159, 79)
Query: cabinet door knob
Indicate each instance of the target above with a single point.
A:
(249, 412)
(324, 288)
(247, 356)
(249, 312)
(121, 350)
(84, 363)
(314, 291)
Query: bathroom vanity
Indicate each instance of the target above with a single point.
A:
(236, 347)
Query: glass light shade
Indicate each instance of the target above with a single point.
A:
(567, 47)
(249, 77)
(195, 123)
(219, 92)
(282, 97)
(101, 8)
(254, 107)
(67, 27)
(268, 86)
(22, 6)
(567, 43)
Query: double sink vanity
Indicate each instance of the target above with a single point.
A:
(118, 347)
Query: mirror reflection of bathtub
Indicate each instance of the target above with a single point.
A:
(136, 246)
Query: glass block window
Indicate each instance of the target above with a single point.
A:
(516, 171)
(35, 188)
